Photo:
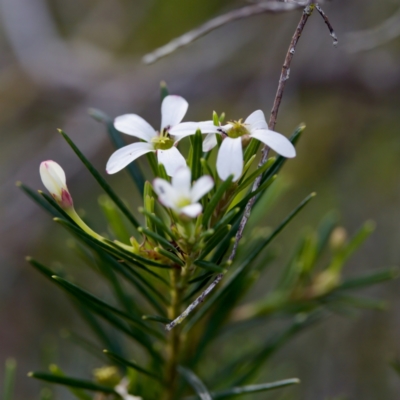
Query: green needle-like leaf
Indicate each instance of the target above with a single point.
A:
(250, 179)
(9, 378)
(197, 142)
(251, 149)
(118, 142)
(241, 390)
(102, 182)
(215, 200)
(158, 222)
(84, 296)
(79, 393)
(209, 266)
(172, 256)
(38, 199)
(195, 382)
(71, 382)
(370, 279)
(215, 240)
(280, 161)
(130, 364)
(156, 318)
(264, 186)
(216, 295)
(157, 238)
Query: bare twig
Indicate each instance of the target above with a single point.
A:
(272, 122)
(328, 24)
(241, 13)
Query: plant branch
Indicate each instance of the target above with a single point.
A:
(209, 26)
(328, 24)
(272, 122)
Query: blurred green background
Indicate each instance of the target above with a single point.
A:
(58, 58)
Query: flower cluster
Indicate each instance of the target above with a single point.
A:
(165, 141)
(179, 195)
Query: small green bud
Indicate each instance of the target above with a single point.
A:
(108, 376)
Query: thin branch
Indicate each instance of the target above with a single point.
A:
(272, 122)
(209, 26)
(328, 24)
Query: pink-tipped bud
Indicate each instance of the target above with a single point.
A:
(53, 178)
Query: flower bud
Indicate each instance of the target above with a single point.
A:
(53, 178)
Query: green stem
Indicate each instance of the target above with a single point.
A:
(174, 338)
(77, 219)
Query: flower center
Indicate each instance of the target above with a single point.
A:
(238, 129)
(183, 202)
(162, 142)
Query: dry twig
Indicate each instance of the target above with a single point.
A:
(209, 26)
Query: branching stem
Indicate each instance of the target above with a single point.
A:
(272, 122)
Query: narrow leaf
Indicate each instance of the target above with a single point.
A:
(84, 296)
(9, 379)
(215, 200)
(71, 382)
(156, 318)
(38, 199)
(130, 364)
(236, 391)
(196, 155)
(102, 182)
(195, 382)
(209, 266)
(118, 142)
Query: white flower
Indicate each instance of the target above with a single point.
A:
(122, 390)
(173, 109)
(54, 180)
(180, 196)
(230, 154)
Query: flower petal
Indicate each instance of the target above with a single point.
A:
(165, 192)
(133, 125)
(209, 142)
(181, 181)
(125, 155)
(189, 128)
(256, 120)
(230, 159)
(172, 160)
(277, 142)
(173, 109)
(202, 186)
(193, 210)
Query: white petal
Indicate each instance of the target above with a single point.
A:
(209, 142)
(193, 210)
(53, 177)
(201, 187)
(165, 192)
(230, 159)
(189, 128)
(181, 181)
(173, 109)
(172, 160)
(256, 120)
(125, 155)
(133, 125)
(277, 142)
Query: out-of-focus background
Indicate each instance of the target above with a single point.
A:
(58, 58)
